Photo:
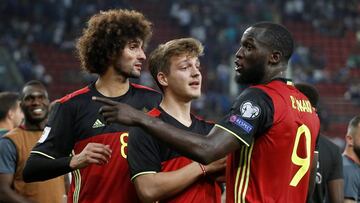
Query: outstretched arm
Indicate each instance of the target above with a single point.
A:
(204, 149)
(158, 186)
(41, 167)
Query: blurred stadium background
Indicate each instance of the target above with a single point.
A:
(37, 42)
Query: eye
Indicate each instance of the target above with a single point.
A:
(248, 47)
(133, 46)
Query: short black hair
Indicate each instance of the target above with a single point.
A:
(8, 100)
(277, 37)
(310, 92)
(353, 125)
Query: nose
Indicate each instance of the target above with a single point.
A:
(141, 55)
(195, 72)
(239, 53)
(37, 101)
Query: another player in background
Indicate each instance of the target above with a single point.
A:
(159, 173)
(10, 112)
(111, 47)
(17, 145)
(329, 175)
(270, 130)
(351, 162)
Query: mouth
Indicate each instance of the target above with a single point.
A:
(37, 111)
(238, 66)
(138, 66)
(194, 84)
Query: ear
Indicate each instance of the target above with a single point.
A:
(349, 140)
(275, 57)
(10, 114)
(162, 79)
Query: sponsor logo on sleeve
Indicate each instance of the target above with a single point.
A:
(44, 135)
(249, 110)
(237, 120)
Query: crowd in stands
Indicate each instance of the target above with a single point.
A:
(218, 24)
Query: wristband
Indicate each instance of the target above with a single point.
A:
(203, 169)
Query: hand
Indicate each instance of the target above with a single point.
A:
(116, 112)
(93, 153)
(217, 170)
(216, 166)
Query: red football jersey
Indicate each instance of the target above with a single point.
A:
(278, 128)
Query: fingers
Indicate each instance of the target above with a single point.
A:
(93, 153)
(105, 101)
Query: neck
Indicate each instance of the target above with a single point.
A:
(278, 72)
(111, 84)
(6, 124)
(35, 126)
(349, 151)
(178, 109)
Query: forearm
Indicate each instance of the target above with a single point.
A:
(10, 196)
(203, 149)
(39, 168)
(159, 186)
(312, 176)
(336, 190)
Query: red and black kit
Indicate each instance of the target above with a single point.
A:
(74, 122)
(277, 128)
(149, 155)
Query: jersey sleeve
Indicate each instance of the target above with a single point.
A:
(250, 116)
(8, 156)
(143, 153)
(57, 139)
(337, 166)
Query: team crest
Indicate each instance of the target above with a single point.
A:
(249, 110)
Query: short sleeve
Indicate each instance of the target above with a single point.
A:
(251, 115)
(143, 153)
(57, 139)
(8, 156)
(337, 166)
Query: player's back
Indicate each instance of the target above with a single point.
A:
(276, 167)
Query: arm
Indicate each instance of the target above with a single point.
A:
(158, 186)
(204, 149)
(336, 190)
(335, 183)
(43, 167)
(237, 128)
(312, 176)
(8, 159)
(7, 194)
(349, 201)
(50, 157)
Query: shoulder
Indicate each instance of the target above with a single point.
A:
(143, 88)
(74, 96)
(5, 145)
(14, 133)
(203, 124)
(350, 168)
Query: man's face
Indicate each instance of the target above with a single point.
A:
(35, 103)
(17, 115)
(251, 58)
(356, 141)
(184, 78)
(129, 63)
